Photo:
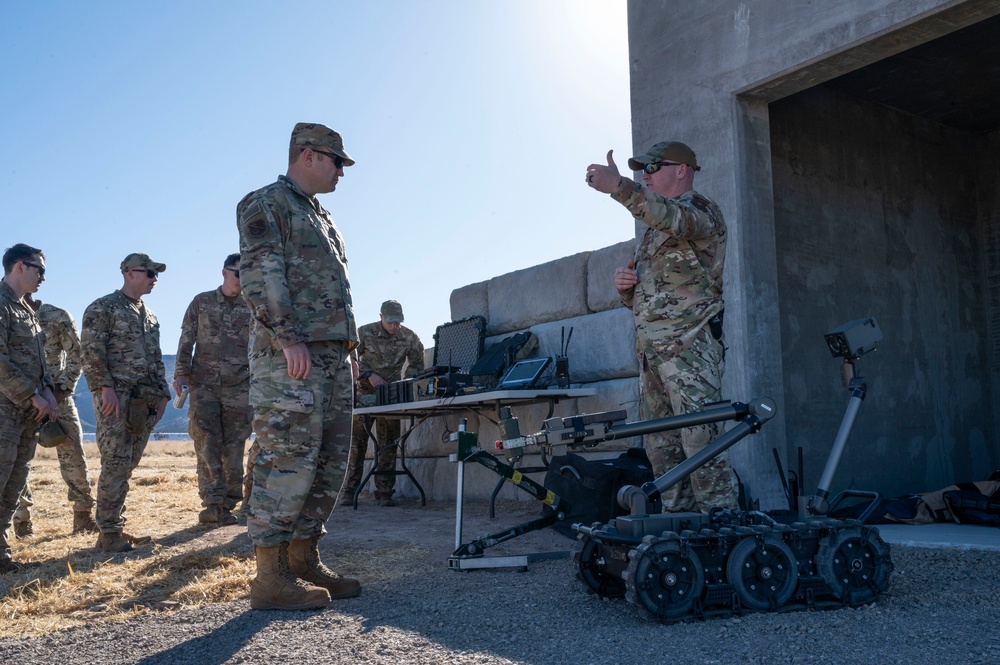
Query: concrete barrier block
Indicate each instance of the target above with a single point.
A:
(602, 347)
(471, 300)
(548, 292)
(612, 396)
(601, 291)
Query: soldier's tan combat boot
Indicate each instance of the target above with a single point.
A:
(303, 557)
(112, 541)
(83, 522)
(210, 514)
(276, 588)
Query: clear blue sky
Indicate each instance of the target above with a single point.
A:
(138, 126)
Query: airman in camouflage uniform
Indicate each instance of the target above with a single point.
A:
(385, 347)
(295, 280)
(26, 395)
(62, 355)
(212, 363)
(673, 286)
(124, 368)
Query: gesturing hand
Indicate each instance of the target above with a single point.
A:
(604, 178)
(625, 277)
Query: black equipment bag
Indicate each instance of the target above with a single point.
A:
(501, 356)
(591, 486)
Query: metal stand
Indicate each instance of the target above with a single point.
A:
(402, 471)
(470, 556)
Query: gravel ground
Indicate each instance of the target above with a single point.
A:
(941, 608)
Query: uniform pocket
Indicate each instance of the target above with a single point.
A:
(271, 387)
(137, 416)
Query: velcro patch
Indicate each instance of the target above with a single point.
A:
(256, 228)
(251, 210)
(253, 220)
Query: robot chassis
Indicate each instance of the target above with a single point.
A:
(678, 566)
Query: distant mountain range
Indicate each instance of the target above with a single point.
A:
(173, 421)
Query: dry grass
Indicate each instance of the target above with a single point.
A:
(187, 565)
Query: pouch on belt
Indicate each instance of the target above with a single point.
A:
(51, 434)
(142, 404)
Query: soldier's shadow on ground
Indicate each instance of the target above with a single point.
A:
(229, 533)
(221, 644)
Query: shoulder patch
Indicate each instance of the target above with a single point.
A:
(700, 203)
(254, 221)
(256, 228)
(250, 211)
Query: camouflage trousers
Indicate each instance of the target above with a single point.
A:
(387, 432)
(17, 447)
(121, 442)
(675, 383)
(303, 430)
(219, 424)
(72, 465)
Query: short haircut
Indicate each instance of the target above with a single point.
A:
(19, 252)
(232, 260)
(294, 151)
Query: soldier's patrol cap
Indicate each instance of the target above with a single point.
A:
(665, 151)
(137, 260)
(392, 311)
(311, 134)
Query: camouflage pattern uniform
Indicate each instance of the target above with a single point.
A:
(293, 272)
(678, 263)
(121, 350)
(383, 354)
(22, 374)
(212, 359)
(62, 356)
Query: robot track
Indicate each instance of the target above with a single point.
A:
(731, 563)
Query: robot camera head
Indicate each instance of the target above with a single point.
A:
(854, 339)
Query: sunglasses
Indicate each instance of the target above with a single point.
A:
(338, 161)
(40, 269)
(234, 271)
(653, 167)
(152, 274)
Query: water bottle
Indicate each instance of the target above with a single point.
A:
(181, 397)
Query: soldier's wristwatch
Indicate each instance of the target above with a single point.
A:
(367, 373)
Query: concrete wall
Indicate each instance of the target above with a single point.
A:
(706, 73)
(876, 213)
